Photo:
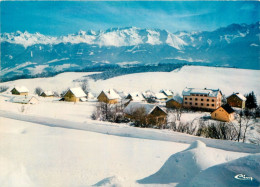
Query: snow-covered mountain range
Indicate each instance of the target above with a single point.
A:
(236, 45)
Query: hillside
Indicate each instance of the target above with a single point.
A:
(229, 80)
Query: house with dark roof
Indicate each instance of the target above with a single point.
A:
(152, 114)
(236, 100)
(47, 94)
(22, 90)
(223, 113)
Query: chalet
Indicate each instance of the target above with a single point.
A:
(24, 100)
(148, 95)
(173, 103)
(236, 100)
(201, 98)
(154, 115)
(109, 96)
(167, 93)
(223, 113)
(20, 90)
(135, 96)
(47, 94)
(160, 97)
(75, 95)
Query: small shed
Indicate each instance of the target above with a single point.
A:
(154, 114)
(75, 95)
(109, 96)
(173, 103)
(236, 100)
(22, 90)
(24, 100)
(47, 94)
(224, 113)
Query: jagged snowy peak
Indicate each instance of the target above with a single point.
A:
(117, 37)
(27, 39)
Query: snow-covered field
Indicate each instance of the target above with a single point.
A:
(55, 143)
(37, 155)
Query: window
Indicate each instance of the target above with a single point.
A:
(190, 103)
(201, 94)
(196, 104)
(201, 104)
(196, 99)
(212, 105)
(186, 103)
(185, 98)
(207, 104)
(213, 100)
(197, 94)
(190, 98)
(207, 99)
(202, 99)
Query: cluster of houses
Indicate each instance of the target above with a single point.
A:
(204, 99)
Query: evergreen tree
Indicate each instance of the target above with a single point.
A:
(251, 101)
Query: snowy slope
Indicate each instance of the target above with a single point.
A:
(38, 155)
(228, 80)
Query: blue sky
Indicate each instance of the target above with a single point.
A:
(61, 18)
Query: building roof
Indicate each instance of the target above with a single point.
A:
(48, 93)
(161, 96)
(21, 89)
(167, 92)
(240, 96)
(177, 99)
(136, 96)
(22, 99)
(78, 92)
(148, 94)
(132, 106)
(228, 108)
(111, 94)
(209, 92)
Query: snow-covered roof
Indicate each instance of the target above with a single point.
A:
(148, 94)
(132, 106)
(78, 92)
(21, 89)
(90, 95)
(121, 94)
(209, 92)
(111, 94)
(243, 98)
(160, 96)
(175, 98)
(23, 99)
(136, 96)
(48, 93)
(167, 92)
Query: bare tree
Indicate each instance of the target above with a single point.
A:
(38, 91)
(85, 86)
(3, 88)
